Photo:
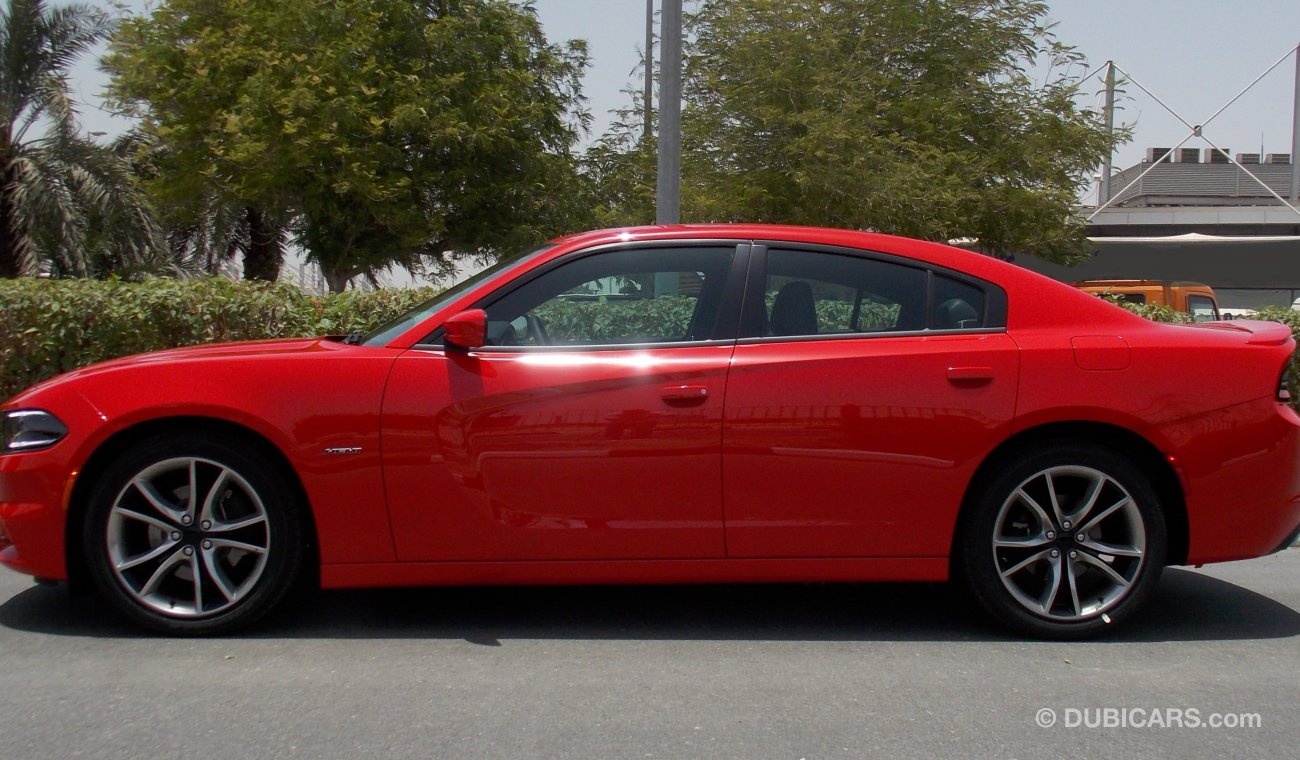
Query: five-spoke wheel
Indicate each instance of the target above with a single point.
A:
(193, 535)
(188, 537)
(1064, 542)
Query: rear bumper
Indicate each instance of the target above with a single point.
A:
(1241, 472)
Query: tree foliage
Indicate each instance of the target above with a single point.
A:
(938, 119)
(67, 204)
(378, 132)
(621, 169)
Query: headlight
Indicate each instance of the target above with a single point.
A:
(28, 429)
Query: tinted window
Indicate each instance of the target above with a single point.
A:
(828, 294)
(642, 295)
(957, 305)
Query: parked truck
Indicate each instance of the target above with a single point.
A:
(1193, 298)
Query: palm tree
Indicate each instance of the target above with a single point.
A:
(67, 204)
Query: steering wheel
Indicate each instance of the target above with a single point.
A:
(536, 331)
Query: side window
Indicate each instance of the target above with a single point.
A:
(1202, 309)
(641, 295)
(957, 305)
(829, 294)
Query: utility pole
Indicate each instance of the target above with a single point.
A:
(648, 96)
(1103, 193)
(668, 198)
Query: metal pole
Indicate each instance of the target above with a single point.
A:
(1295, 135)
(1103, 193)
(668, 199)
(647, 98)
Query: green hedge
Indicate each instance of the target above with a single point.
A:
(616, 321)
(51, 326)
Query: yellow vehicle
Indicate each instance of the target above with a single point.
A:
(1191, 297)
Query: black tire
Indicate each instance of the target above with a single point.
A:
(193, 566)
(1108, 556)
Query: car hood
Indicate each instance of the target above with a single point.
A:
(223, 351)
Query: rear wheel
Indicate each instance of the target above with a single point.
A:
(191, 535)
(1064, 543)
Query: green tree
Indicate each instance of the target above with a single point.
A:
(376, 132)
(621, 169)
(66, 202)
(203, 227)
(938, 119)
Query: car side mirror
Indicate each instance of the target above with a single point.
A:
(466, 330)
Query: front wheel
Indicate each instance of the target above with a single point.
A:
(1064, 543)
(190, 535)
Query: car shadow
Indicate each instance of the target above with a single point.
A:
(1187, 606)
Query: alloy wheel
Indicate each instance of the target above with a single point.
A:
(1069, 543)
(188, 537)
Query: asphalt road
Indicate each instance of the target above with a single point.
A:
(892, 671)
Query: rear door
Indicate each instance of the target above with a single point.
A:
(863, 393)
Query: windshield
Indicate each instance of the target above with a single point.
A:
(390, 331)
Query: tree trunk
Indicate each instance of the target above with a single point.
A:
(336, 280)
(11, 245)
(265, 252)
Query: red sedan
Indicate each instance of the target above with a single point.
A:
(673, 405)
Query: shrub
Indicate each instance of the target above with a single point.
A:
(52, 326)
(593, 322)
(1152, 311)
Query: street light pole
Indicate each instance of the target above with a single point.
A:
(647, 97)
(1103, 193)
(668, 199)
(1295, 135)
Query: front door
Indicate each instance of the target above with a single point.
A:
(589, 428)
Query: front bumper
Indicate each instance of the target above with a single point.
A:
(33, 516)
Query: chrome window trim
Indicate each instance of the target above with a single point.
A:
(576, 348)
(871, 335)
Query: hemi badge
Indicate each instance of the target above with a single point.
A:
(344, 450)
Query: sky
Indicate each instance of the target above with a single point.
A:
(1194, 55)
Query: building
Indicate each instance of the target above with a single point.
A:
(1198, 215)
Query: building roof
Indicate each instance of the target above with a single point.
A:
(1190, 184)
